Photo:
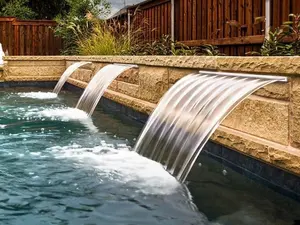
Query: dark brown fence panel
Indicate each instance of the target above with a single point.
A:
(200, 22)
(29, 37)
(156, 18)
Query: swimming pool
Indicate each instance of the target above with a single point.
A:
(58, 166)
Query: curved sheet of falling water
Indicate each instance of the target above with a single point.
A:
(190, 112)
(69, 71)
(100, 82)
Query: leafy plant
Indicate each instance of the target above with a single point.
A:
(274, 46)
(282, 41)
(17, 8)
(208, 50)
(104, 41)
(112, 37)
(164, 46)
(77, 24)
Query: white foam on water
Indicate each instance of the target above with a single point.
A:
(65, 115)
(122, 165)
(2, 126)
(38, 95)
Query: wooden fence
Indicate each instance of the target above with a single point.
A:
(28, 37)
(200, 22)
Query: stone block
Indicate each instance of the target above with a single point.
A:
(35, 71)
(113, 86)
(295, 113)
(134, 103)
(77, 83)
(130, 76)
(82, 75)
(278, 90)
(177, 73)
(26, 63)
(268, 65)
(98, 66)
(153, 83)
(128, 89)
(265, 118)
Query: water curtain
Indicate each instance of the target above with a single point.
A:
(69, 71)
(189, 113)
(96, 87)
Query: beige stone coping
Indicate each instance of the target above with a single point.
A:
(287, 65)
(33, 58)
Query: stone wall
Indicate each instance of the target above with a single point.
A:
(34, 68)
(265, 126)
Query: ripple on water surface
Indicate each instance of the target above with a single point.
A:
(57, 167)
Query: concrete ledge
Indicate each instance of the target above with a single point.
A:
(269, 65)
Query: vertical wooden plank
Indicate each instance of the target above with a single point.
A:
(17, 40)
(194, 20)
(209, 19)
(189, 19)
(221, 18)
(153, 24)
(162, 20)
(181, 25)
(41, 41)
(51, 42)
(227, 18)
(226, 34)
(33, 45)
(169, 18)
(159, 31)
(275, 14)
(3, 33)
(241, 16)
(285, 10)
(199, 19)
(249, 22)
(215, 19)
(257, 13)
(185, 36)
(295, 6)
(249, 17)
(204, 20)
(28, 40)
(147, 25)
(22, 41)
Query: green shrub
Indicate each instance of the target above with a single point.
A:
(17, 8)
(164, 46)
(283, 41)
(104, 41)
(77, 24)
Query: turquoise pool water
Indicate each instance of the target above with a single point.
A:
(57, 166)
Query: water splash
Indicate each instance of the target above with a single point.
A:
(189, 113)
(122, 166)
(71, 69)
(96, 87)
(65, 115)
(38, 95)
